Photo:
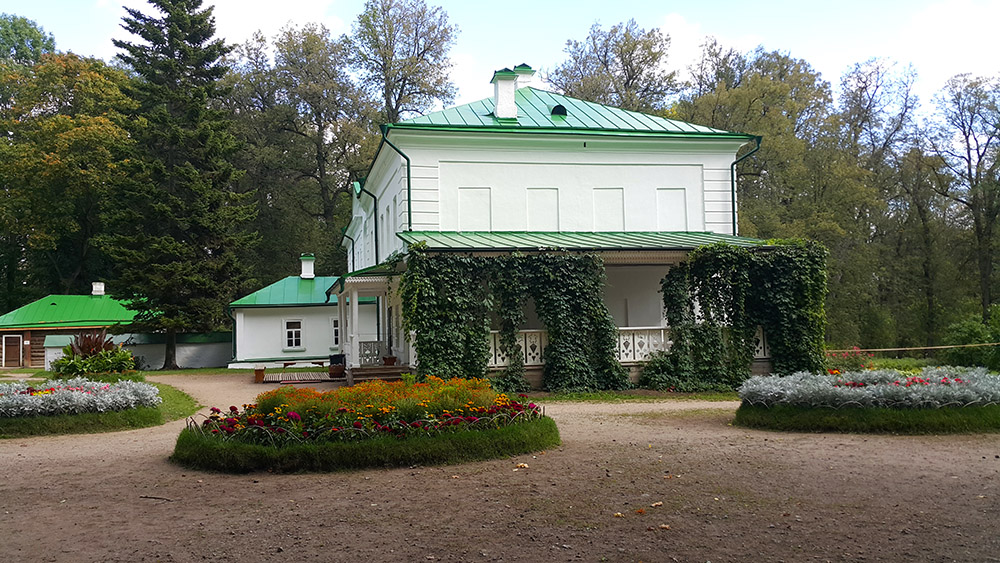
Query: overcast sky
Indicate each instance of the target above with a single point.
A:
(940, 38)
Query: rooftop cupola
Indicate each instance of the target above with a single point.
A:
(308, 263)
(504, 84)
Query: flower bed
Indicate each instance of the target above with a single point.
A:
(74, 396)
(371, 424)
(935, 387)
(937, 400)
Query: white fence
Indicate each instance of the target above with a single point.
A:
(635, 344)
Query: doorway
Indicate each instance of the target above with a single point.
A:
(12, 350)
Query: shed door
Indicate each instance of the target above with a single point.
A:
(12, 351)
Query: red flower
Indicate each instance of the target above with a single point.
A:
(233, 409)
(357, 424)
(292, 415)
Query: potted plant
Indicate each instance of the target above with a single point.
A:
(258, 373)
(338, 365)
(389, 359)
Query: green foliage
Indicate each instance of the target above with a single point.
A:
(973, 331)
(89, 343)
(22, 41)
(621, 67)
(400, 48)
(179, 228)
(196, 450)
(176, 404)
(447, 299)
(714, 302)
(114, 361)
(948, 420)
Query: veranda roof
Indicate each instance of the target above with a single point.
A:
(591, 241)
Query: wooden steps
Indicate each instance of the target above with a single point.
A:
(363, 373)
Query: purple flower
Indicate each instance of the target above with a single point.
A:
(292, 415)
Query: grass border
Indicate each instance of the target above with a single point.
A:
(946, 420)
(176, 404)
(197, 451)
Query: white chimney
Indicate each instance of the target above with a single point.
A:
(524, 75)
(308, 261)
(504, 83)
(98, 288)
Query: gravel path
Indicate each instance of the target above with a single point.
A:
(727, 494)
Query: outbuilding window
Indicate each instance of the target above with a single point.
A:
(293, 334)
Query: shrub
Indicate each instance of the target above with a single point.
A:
(851, 360)
(972, 331)
(660, 373)
(115, 360)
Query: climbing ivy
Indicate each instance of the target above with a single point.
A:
(715, 300)
(447, 299)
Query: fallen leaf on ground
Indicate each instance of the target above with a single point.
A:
(619, 515)
(664, 526)
(522, 465)
(655, 504)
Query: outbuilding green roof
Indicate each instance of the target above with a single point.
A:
(68, 311)
(534, 240)
(535, 114)
(289, 292)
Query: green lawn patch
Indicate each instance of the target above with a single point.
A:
(945, 420)
(176, 404)
(197, 450)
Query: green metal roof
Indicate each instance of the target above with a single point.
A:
(291, 291)
(521, 240)
(68, 311)
(534, 114)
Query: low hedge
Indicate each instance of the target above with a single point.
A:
(198, 450)
(944, 420)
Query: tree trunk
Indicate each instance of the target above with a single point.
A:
(170, 354)
(984, 243)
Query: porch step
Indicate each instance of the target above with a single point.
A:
(295, 377)
(388, 373)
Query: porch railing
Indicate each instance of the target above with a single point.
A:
(635, 344)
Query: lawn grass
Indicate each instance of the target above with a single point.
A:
(947, 420)
(638, 396)
(176, 404)
(199, 451)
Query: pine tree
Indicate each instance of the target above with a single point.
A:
(179, 228)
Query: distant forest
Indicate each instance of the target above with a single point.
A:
(187, 172)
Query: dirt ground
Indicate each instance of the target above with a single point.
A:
(727, 494)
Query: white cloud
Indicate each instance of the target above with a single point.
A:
(237, 20)
(947, 38)
(687, 38)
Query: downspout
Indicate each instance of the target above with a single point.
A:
(229, 313)
(409, 183)
(359, 189)
(732, 176)
(347, 236)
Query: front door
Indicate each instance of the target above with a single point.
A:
(12, 351)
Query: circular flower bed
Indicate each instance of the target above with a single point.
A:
(935, 400)
(74, 396)
(379, 423)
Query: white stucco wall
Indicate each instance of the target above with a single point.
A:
(260, 331)
(632, 295)
(517, 182)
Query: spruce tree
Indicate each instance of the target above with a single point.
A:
(179, 227)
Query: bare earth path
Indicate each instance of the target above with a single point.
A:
(727, 494)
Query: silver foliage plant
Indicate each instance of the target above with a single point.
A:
(75, 396)
(944, 387)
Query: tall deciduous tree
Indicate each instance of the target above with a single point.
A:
(179, 227)
(22, 41)
(968, 142)
(63, 142)
(401, 49)
(623, 67)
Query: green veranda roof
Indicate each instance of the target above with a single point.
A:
(535, 113)
(68, 311)
(534, 240)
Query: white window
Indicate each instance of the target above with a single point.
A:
(293, 334)
(335, 330)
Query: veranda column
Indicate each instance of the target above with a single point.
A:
(355, 344)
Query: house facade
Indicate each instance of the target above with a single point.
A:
(529, 169)
(293, 321)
